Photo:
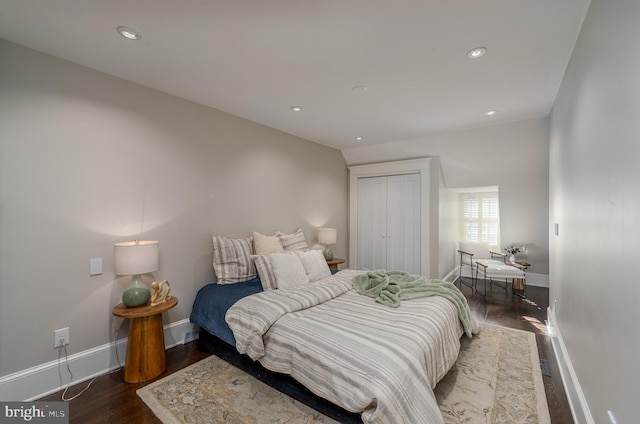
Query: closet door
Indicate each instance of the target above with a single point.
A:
(388, 217)
(403, 223)
(372, 223)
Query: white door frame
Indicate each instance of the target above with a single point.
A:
(429, 209)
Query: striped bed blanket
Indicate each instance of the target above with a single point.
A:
(361, 355)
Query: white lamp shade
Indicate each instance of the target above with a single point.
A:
(135, 257)
(327, 235)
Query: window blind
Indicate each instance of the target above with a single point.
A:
(480, 218)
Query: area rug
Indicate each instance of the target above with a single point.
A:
(496, 379)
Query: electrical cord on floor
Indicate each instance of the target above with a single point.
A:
(66, 360)
(115, 347)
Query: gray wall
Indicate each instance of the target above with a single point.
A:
(448, 217)
(88, 160)
(595, 199)
(512, 156)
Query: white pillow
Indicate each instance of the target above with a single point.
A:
(314, 264)
(293, 241)
(288, 270)
(265, 245)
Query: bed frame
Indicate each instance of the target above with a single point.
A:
(281, 382)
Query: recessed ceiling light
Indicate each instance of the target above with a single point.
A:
(296, 108)
(359, 138)
(491, 112)
(129, 33)
(476, 53)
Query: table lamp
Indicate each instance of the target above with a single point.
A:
(327, 236)
(135, 258)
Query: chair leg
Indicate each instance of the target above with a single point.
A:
(505, 287)
(461, 280)
(484, 294)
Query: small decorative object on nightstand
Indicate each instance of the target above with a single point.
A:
(327, 236)
(145, 349)
(159, 296)
(333, 263)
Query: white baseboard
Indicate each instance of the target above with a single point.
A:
(452, 276)
(42, 380)
(537, 280)
(575, 395)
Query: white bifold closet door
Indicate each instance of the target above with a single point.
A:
(389, 223)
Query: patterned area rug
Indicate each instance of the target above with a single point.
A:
(496, 379)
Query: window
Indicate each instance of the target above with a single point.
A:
(480, 218)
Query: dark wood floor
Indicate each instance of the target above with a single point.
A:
(110, 400)
(528, 314)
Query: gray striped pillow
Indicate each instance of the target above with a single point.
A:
(265, 272)
(232, 259)
(294, 241)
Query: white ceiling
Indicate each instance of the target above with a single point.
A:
(256, 58)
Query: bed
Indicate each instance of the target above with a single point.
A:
(278, 305)
(360, 355)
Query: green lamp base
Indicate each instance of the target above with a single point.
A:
(136, 293)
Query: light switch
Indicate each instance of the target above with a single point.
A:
(95, 266)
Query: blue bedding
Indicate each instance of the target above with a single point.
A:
(212, 303)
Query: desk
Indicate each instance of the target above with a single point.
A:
(145, 349)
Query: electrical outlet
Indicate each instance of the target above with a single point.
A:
(61, 337)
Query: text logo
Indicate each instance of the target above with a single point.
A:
(34, 412)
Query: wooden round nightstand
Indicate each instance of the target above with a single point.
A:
(145, 349)
(333, 263)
